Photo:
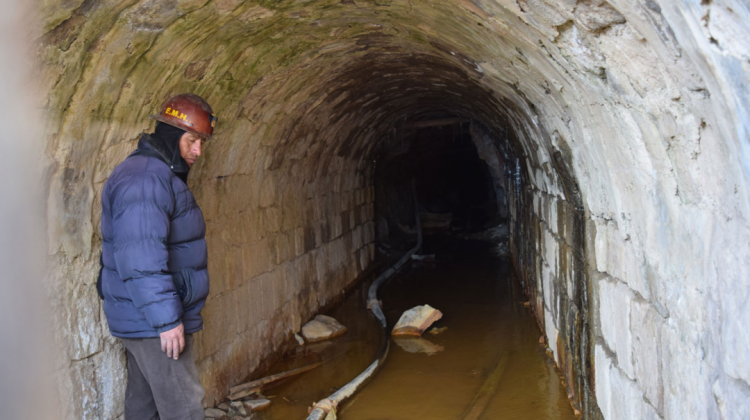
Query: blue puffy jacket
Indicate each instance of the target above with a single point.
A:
(154, 260)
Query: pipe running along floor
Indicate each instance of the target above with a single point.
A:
(483, 309)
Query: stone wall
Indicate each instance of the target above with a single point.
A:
(276, 257)
(629, 118)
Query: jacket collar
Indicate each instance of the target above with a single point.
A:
(172, 158)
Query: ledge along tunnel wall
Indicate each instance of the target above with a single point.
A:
(622, 125)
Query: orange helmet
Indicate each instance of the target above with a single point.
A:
(190, 113)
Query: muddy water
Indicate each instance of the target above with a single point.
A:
(485, 320)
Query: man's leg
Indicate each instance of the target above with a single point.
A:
(175, 385)
(139, 402)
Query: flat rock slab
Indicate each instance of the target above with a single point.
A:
(416, 320)
(322, 328)
(215, 413)
(257, 405)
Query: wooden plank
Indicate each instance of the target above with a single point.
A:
(243, 390)
(488, 389)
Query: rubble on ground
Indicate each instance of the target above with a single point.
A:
(322, 328)
(436, 331)
(416, 320)
(257, 405)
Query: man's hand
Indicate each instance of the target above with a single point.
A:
(173, 341)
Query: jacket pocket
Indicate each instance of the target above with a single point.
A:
(183, 282)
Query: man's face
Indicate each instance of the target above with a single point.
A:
(191, 146)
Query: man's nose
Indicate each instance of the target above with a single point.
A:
(197, 148)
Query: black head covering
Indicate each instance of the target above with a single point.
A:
(167, 138)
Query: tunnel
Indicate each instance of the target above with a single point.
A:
(610, 136)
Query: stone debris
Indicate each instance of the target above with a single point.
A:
(257, 405)
(300, 340)
(215, 413)
(436, 331)
(224, 406)
(239, 407)
(418, 345)
(322, 328)
(416, 320)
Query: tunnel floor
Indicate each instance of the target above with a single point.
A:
(485, 317)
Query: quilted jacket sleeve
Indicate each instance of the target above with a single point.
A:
(141, 206)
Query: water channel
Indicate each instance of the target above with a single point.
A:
(484, 319)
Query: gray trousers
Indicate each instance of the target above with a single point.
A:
(159, 387)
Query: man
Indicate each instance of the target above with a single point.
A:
(154, 278)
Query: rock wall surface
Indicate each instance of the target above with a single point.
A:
(626, 124)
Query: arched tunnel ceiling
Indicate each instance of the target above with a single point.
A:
(638, 103)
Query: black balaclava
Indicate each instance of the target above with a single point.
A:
(167, 138)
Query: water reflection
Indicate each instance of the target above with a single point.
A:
(439, 377)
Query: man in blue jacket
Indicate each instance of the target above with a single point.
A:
(154, 278)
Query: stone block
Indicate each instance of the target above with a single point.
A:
(233, 259)
(353, 218)
(75, 384)
(337, 227)
(685, 372)
(590, 241)
(270, 220)
(625, 260)
(81, 321)
(272, 291)
(249, 309)
(292, 277)
(356, 238)
(369, 232)
(253, 225)
(284, 247)
(219, 315)
(566, 217)
(364, 260)
(111, 377)
(602, 383)
(268, 189)
(615, 300)
(627, 399)
(552, 220)
(567, 270)
(600, 245)
(258, 257)
(646, 325)
(299, 241)
(548, 288)
(551, 251)
(551, 330)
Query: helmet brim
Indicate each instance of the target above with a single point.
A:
(161, 118)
